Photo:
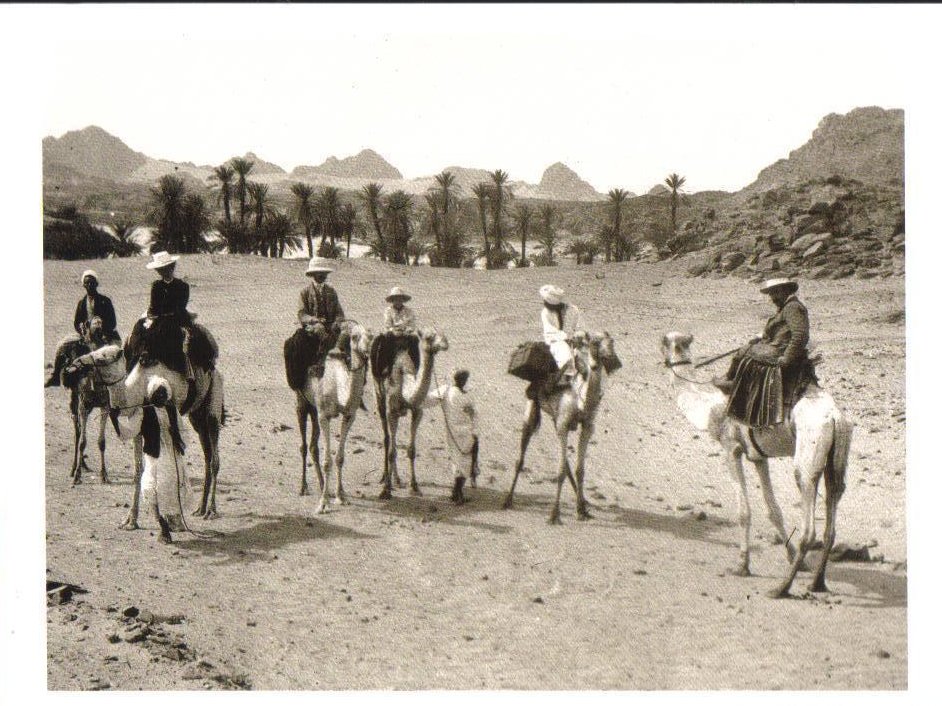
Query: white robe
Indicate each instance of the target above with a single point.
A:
(558, 337)
(461, 424)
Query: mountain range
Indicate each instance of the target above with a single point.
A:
(95, 153)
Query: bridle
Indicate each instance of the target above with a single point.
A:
(673, 368)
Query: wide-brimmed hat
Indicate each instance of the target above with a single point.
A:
(552, 294)
(317, 264)
(783, 283)
(161, 260)
(89, 273)
(398, 293)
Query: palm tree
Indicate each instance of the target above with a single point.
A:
(166, 214)
(612, 236)
(371, 197)
(482, 193)
(500, 195)
(224, 174)
(328, 212)
(523, 218)
(303, 211)
(448, 188)
(348, 223)
(123, 230)
(674, 182)
(397, 222)
(547, 236)
(280, 233)
(195, 221)
(242, 168)
(259, 195)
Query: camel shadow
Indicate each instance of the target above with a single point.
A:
(880, 589)
(258, 541)
(683, 527)
(439, 508)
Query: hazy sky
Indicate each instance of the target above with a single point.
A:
(622, 95)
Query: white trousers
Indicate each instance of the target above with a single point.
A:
(561, 352)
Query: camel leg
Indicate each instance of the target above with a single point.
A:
(775, 511)
(809, 493)
(564, 471)
(301, 412)
(345, 423)
(530, 424)
(164, 536)
(81, 422)
(414, 420)
(734, 465)
(207, 428)
(324, 504)
(381, 410)
(130, 523)
(585, 436)
(76, 473)
(831, 497)
(316, 445)
(102, 425)
(392, 422)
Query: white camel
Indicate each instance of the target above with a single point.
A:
(338, 392)
(571, 408)
(816, 436)
(403, 391)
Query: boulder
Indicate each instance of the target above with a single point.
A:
(814, 249)
(821, 208)
(698, 268)
(843, 271)
(806, 241)
(732, 260)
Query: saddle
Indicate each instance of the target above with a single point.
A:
(173, 344)
(763, 394)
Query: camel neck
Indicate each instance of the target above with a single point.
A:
(422, 379)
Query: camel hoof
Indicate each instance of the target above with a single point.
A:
(740, 570)
(415, 492)
(508, 503)
(342, 500)
(303, 491)
(198, 512)
(322, 509)
(76, 481)
(129, 525)
(165, 539)
(818, 587)
(584, 515)
(554, 518)
(105, 480)
(778, 593)
(210, 515)
(386, 494)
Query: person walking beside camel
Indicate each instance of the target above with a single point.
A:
(461, 429)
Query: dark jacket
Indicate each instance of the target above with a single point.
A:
(323, 305)
(104, 309)
(169, 299)
(788, 332)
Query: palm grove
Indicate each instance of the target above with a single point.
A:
(446, 226)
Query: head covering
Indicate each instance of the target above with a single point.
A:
(398, 293)
(317, 264)
(552, 295)
(89, 273)
(161, 260)
(783, 283)
(460, 377)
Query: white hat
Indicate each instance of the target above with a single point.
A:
(398, 293)
(89, 273)
(317, 264)
(552, 294)
(162, 259)
(779, 283)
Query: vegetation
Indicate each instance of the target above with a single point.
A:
(68, 235)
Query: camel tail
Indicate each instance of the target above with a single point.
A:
(840, 452)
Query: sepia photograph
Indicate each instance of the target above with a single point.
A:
(505, 349)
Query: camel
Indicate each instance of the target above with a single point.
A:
(571, 408)
(89, 392)
(404, 391)
(206, 414)
(816, 436)
(338, 392)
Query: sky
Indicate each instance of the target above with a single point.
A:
(622, 95)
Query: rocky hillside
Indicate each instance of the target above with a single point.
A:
(263, 167)
(367, 164)
(865, 145)
(93, 152)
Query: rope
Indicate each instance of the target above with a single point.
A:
(673, 369)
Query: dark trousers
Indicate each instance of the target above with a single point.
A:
(385, 348)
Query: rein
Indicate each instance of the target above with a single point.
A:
(441, 402)
(673, 368)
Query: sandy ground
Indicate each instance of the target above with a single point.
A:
(415, 593)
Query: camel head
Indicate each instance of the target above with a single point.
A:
(361, 339)
(595, 349)
(675, 348)
(432, 341)
(159, 391)
(96, 331)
